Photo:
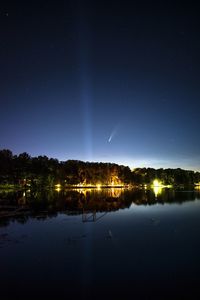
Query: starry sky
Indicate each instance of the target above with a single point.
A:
(112, 81)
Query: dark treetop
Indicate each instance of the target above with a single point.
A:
(33, 172)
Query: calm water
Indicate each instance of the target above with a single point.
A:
(101, 245)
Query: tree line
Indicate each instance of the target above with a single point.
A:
(42, 171)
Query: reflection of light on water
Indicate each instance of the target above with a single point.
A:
(157, 190)
(115, 193)
(111, 192)
(83, 191)
(57, 187)
(157, 183)
(157, 187)
(98, 186)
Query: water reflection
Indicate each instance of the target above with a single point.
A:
(107, 253)
(112, 192)
(157, 190)
(88, 202)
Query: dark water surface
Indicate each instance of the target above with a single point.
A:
(105, 244)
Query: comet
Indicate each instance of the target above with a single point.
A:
(113, 133)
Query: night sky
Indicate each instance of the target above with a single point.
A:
(104, 81)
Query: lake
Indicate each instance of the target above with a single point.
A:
(100, 244)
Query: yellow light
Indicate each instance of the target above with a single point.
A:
(197, 186)
(116, 193)
(58, 185)
(157, 187)
(157, 190)
(98, 186)
(157, 183)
